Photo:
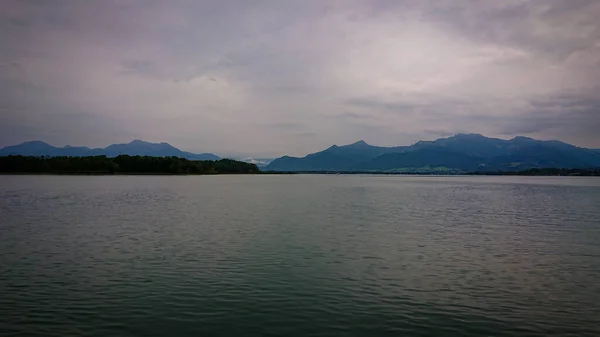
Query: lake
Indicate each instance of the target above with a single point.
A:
(299, 255)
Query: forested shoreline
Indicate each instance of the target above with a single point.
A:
(122, 164)
(545, 172)
(125, 164)
(528, 172)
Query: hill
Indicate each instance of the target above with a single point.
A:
(459, 153)
(134, 148)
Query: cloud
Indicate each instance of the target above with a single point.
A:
(283, 126)
(276, 77)
(356, 116)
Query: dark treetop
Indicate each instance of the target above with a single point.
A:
(122, 164)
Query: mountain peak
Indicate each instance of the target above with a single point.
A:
(136, 147)
(35, 142)
(360, 143)
(140, 143)
(522, 138)
(468, 135)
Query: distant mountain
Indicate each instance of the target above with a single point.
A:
(335, 158)
(136, 147)
(426, 159)
(459, 153)
(32, 148)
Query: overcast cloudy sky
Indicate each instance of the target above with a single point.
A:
(291, 77)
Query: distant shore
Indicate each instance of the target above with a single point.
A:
(546, 172)
(112, 174)
(164, 166)
(294, 173)
(121, 165)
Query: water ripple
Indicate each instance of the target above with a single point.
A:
(299, 256)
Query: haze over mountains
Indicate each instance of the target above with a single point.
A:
(136, 147)
(459, 153)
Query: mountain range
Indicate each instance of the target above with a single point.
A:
(136, 147)
(459, 153)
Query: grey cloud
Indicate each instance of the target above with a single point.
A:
(306, 134)
(66, 128)
(356, 116)
(567, 101)
(514, 23)
(377, 104)
(426, 108)
(567, 115)
(11, 131)
(571, 116)
(443, 133)
(142, 67)
(283, 125)
(526, 125)
(234, 76)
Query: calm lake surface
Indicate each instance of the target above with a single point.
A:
(299, 255)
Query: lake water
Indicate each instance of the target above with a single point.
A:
(299, 255)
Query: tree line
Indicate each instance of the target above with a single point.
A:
(545, 172)
(528, 172)
(123, 164)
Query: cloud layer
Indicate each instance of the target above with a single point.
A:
(291, 77)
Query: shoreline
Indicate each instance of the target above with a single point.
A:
(420, 174)
(115, 174)
(524, 173)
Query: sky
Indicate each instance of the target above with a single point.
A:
(268, 78)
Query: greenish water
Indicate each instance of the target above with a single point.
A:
(299, 255)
